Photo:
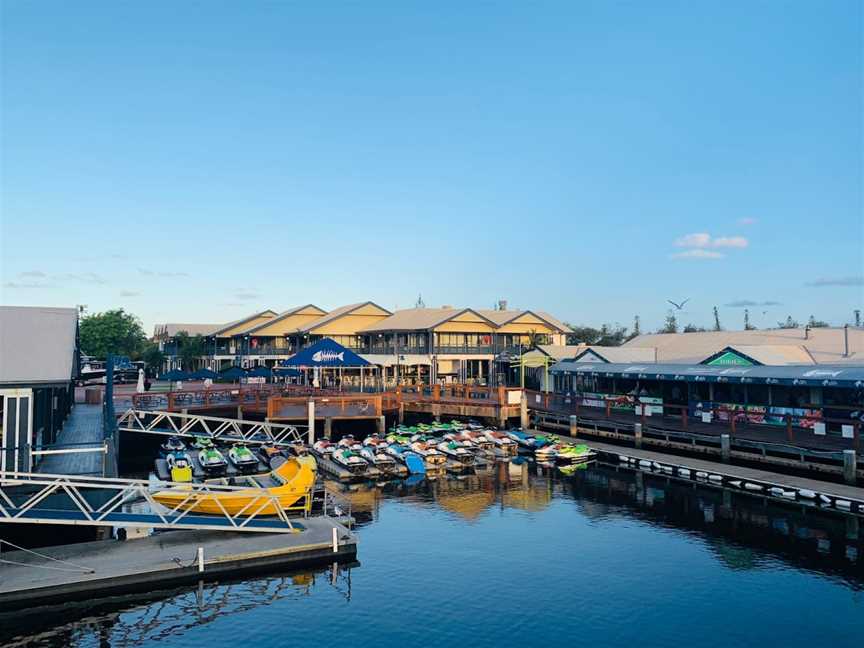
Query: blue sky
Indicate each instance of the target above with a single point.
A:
(197, 161)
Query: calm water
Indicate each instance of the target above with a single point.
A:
(606, 556)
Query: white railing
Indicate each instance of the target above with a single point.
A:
(21, 495)
(219, 429)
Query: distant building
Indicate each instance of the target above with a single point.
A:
(415, 345)
(39, 357)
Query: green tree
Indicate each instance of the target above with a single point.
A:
(189, 349)
(606, 335)
(671, 324)
(692, 328)
(152, 357)
(814, 323)
(114, 331)
(717, 326)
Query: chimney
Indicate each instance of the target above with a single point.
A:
(502, 304)
(846, 340)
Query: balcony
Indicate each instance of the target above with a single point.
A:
(465, 350)
(395, 350)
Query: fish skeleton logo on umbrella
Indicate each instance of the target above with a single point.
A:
(328, 356)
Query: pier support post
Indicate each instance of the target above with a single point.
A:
(849, 466)
(574, 425)
(328, 428)
(637, 434)
(239, 413)
(310, 414)
(502, 417)
(436, 413)
(401, 413)
(523, 411)
(382, 424)
(725, 447)
(200, 559)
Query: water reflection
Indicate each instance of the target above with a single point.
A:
(138, 620)
(744, 533)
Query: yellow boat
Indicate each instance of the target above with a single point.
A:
(290, 482)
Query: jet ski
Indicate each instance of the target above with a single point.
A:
(211, 460)
(180, 466)
(173, 444)
(503, 444)
(431, 455)
(404, 454)
(377, 458)
(323, 447)
(524, 440)
(202, 442)
(457, 452)
(350, 460)
(575, 453)
(242, 457)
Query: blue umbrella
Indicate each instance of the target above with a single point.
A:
(233, 373)
(203, 374)
(287, 372)
(261, 372)
(176, 374)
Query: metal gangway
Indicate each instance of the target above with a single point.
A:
(36, 498)
(218, 429)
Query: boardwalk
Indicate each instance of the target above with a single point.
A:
(82, 429)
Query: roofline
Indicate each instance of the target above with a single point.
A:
(537, 315)
(283, 316)
(732, 349)
(457, 314)
(588, 349)
(310, 326)
(243, 320)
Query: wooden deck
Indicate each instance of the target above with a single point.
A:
(162, 558)
(82, 429)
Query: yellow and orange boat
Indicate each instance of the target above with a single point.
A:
(291, 483)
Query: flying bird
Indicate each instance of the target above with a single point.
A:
(678, 306)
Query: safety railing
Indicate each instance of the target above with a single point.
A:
(218, 429)
(24, 498)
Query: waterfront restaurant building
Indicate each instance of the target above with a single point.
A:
(416, 345)
(754, 376)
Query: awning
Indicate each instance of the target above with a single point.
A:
(233, 373)
(802, 375)
(176, 374)
(388, 360)
(260, 372)
(325, 353)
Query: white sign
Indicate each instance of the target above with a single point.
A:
(707, 416)
(848, 431)
(819, 428)
(514, 397)
(537, 398)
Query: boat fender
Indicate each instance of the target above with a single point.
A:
(701, 475)
(644, 463)
(788, 494)
(716, 478)
(824, 499)
(846, 505)
(736, 483)
(667, 469)
(684, 472)
(623, 459)
(753, 487)
(807, 494)
(777, 492)
(655, 465)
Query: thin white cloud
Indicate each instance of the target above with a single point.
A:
(246, 296)
(698, 253)
(837, 281)
(17, 285)
(154, 273)
(129, 293)
(747, 221)
(32, 274)
(85, 277)
(703, 240)
(745, 303)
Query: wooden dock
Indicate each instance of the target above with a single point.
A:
(728, 472)
(96, 569)
(81, 430)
